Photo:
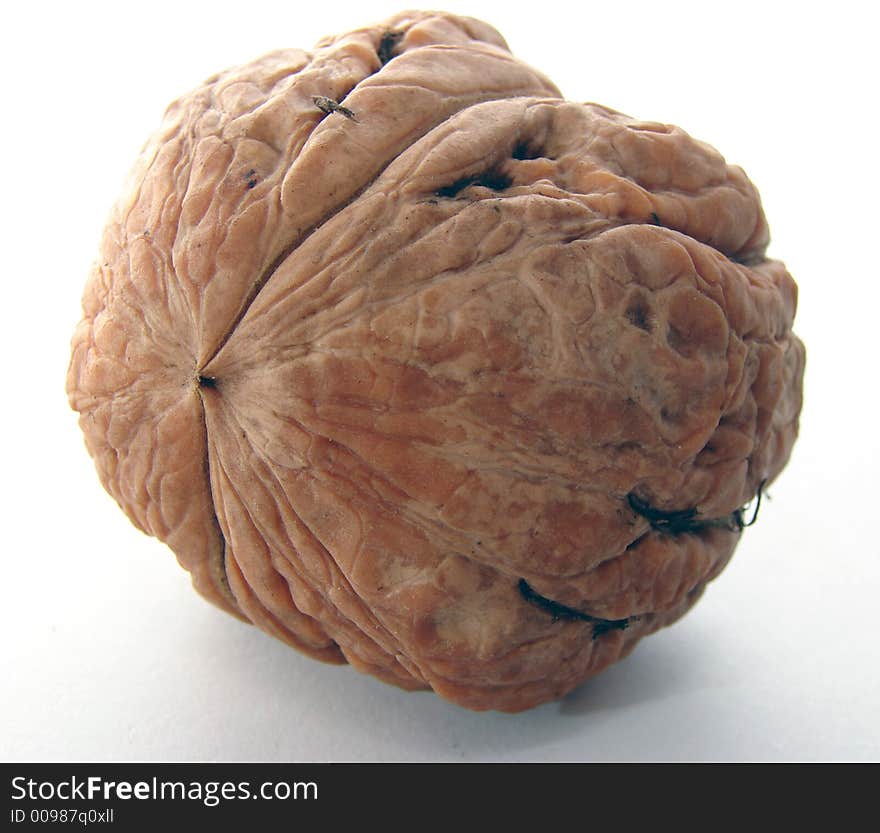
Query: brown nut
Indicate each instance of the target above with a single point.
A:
(418, 366)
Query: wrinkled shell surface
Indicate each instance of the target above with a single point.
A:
(372, 373)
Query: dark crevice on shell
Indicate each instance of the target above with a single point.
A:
(561, 611)
(491, 179)
(678, 521)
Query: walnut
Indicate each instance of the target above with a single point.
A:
(418, 366)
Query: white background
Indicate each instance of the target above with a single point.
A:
(108, 654)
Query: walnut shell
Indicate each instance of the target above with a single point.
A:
(418, 366)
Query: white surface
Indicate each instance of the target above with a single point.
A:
(109, 654)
